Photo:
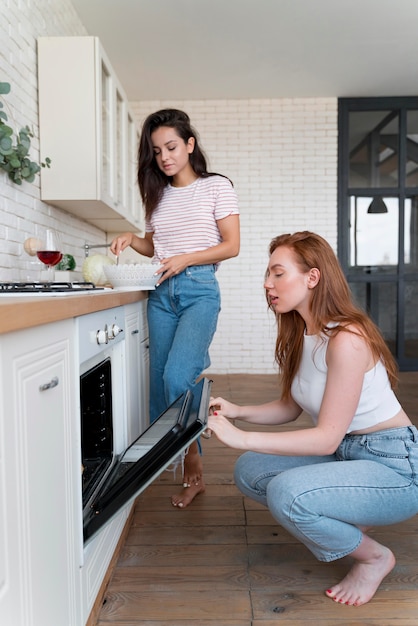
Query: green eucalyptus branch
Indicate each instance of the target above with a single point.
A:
(14, 149)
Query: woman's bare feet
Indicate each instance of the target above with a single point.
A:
(373, 563)
(193, 482)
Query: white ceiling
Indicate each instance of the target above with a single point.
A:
(227, 49)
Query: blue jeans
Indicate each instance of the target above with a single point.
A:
(371, 480)
(182, 317)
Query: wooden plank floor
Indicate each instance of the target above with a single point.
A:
(224, 561)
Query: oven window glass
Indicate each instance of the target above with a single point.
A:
(96, 426)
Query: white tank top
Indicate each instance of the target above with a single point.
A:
(377, 403)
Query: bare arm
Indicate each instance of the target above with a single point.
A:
(275, 412)
(348, 358)
(143, 245)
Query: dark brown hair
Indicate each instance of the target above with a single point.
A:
(151, 179)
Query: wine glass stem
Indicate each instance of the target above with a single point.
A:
(50, 274)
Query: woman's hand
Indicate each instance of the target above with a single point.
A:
(143, 245)
(226, 432)
(220, 406)
(121, 242)
(173, 265)
(228, 409)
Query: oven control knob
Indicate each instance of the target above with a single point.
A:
(102, 336)
(114, 331)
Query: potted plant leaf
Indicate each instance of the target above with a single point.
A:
(14, 148)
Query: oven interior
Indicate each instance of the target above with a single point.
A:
(96, 426)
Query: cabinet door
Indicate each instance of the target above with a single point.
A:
(90, 174)
(133, 200)
(137, 369)
(133, 372)
(106, 175)
(39, 449)
(144, 388)
(144, 362)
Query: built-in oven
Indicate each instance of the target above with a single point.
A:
(101, 340)
(113, 474)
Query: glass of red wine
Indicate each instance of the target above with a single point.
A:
(49, 252)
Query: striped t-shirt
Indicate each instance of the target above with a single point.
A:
(185, 220)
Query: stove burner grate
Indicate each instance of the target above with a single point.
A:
(47, 287)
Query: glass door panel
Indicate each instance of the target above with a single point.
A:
(379, 300)
(374, 151)
(411, 235)
(411, 166)
(411, 326)
(373, 232)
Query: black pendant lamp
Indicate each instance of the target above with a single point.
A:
(377, 205)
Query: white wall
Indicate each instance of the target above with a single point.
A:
(280, 154)
(282, 157)
(22, 214)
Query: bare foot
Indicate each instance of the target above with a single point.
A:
(193, 482)
(373, 563)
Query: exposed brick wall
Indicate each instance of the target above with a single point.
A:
(282, 157)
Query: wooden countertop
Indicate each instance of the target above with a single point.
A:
(17, 313)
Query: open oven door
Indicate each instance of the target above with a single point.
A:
(149, 456)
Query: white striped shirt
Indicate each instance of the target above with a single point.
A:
(186, 218)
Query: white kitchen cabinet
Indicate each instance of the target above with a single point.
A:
(48, 577)
(144, 360)
(96, 560)
(137, 359)
(89, 133)
(39, 490)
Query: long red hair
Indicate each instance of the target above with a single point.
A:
(331, 302)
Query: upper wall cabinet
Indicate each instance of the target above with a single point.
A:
(89, 133)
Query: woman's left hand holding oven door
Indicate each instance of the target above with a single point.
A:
(191, 226)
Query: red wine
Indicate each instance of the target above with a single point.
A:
(49, 257)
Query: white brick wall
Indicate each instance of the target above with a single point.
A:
(22, 214)
(280, 154)
(282, 157)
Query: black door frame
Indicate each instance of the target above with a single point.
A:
(402, 105)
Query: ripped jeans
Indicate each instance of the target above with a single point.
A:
(371, 480)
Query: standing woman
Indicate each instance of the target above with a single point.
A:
(191, 225)
(357, 465)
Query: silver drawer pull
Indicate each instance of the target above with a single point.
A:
(52, 383)
(135, 332)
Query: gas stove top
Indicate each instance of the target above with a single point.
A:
(47, 289)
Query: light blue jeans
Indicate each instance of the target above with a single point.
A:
(371, 480)
(182, 317)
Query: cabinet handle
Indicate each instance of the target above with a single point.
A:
(52, 383)
(135, 332)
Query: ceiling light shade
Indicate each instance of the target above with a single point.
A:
(377, 205)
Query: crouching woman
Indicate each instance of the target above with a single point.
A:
(357, 465)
